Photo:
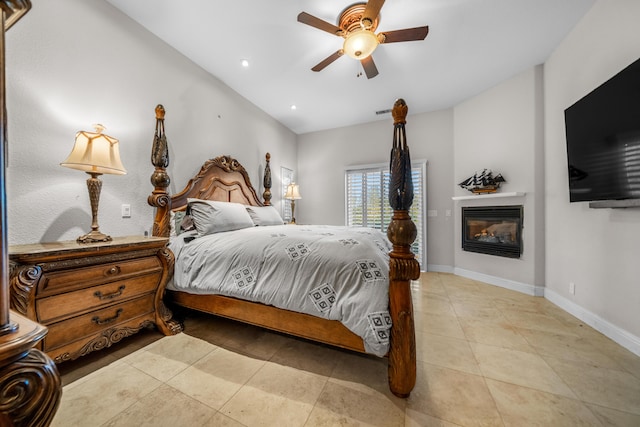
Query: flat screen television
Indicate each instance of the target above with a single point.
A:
(603, 140)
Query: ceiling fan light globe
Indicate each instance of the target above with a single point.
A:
(360, 44)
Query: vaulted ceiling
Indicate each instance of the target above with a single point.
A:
(472, 45)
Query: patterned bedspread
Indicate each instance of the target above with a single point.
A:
(338, 273)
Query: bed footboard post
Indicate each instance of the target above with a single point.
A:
(266, 181)
(403, 266)
(159, 198)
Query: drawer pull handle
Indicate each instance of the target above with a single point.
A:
(99, 321)
(112, 295)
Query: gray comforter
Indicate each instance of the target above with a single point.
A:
(338, 273)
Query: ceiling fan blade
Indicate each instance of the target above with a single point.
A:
(372, 10)
(318, 23)
(369, 66)
(408, 34)
(337, 54)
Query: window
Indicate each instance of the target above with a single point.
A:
(367, 201)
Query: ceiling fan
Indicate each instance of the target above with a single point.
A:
(357, 25)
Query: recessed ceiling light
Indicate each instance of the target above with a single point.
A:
(293, 107)
(245, 63)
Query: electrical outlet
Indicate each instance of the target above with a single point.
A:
(572, 288)
(126, 211)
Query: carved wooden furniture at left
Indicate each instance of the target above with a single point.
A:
(90, 296)
(30, 387)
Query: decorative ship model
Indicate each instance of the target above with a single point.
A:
(483, 183)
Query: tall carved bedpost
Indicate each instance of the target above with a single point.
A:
(403, 266)
(266, 181)
(159, 198)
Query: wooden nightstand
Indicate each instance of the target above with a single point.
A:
(90, 296)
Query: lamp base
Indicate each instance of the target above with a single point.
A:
(94, 236)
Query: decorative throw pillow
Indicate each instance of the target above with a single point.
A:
(264, 215)
(179, 223)
(186, 224)
(173, 225)
(214, 217)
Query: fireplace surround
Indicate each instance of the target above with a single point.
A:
(493, 230)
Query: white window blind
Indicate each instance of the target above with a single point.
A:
(367, 201)
(286, 178)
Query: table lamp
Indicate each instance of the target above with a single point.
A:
(293, 194)
(96, 154)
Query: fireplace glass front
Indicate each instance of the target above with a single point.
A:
(493, 230)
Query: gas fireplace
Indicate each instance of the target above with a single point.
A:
(493, 230)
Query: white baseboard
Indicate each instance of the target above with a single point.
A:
(440, 268)
(525, 288)
(617, 334)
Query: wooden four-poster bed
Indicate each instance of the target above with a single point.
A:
(224, 179)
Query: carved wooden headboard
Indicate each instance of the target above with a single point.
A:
(222, 178)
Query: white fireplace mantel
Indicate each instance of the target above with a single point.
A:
(489, 196)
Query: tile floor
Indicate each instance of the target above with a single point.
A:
(487, 356)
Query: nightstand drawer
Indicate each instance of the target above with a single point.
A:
(63, 332)
(60, 306)
(63, 281)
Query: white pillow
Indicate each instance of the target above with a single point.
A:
(264, 215)
(214, 217)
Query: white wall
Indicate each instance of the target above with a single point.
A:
(501, 129)
(323, 157)
(597, 249)
(72, 63)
